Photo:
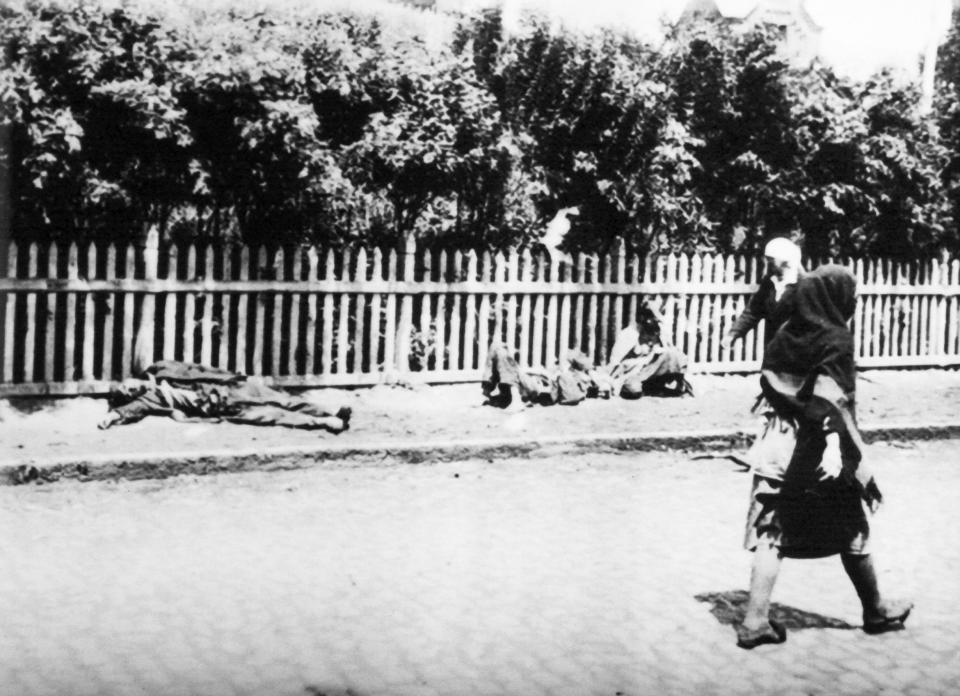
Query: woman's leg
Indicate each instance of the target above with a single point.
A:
(763, 576)
(878, 615)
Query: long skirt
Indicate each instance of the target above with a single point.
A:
(804, 515)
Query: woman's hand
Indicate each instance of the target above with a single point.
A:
(831, 463)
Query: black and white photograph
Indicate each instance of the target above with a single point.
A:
(479, 347)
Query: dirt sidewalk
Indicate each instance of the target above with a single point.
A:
(34, 432)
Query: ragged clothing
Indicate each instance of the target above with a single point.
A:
(641, 364)
(809, 373)
(659, 371)
(767, 305)
(637, 367)
(186, 392)
(567, 385)
(808, 380)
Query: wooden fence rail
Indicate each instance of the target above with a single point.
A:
(76, 319)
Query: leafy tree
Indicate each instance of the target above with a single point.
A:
(287, 125)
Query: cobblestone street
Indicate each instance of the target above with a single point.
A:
(601, 574)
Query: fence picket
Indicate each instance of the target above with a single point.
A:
(70, 325)
(189, 310)
(618, 300)
(564, 309)
(223, 326)
(127, 336)
(885, 326)
(716, 317)
(483, 316)
(29, 344)
(678, 267)
(50, 319)
(169, 339)
(310, 329)
(498, 307)
(206, 319)
(511, 301)
(294, 346)
(89, 319)
(920, 345)
(914, 326)
(470, 317)
(390, 330)
(406, 308)
(593, 302)
(578, 303)
(343, 345)
(110, 318)
(453, 347)
(953, 315)
(693, 320)
(538, 330)
(243, 302)
(867, 337)
(260, 313)
(633, 305)
(79, 326)
(276, 316)
(551, 349)
(426, 335)
(942, 272)
(373, 339)
(9, 327)
(326, 347)
(706, 311)
(359, 314)
(255, 265)
(605, 268)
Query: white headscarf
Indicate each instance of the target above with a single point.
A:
(783, 250)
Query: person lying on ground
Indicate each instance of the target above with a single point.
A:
(812, 491)
(640, 364)
(189, 392)
(507, 385)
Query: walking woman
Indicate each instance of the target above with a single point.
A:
(812, 492)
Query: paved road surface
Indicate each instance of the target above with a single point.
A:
(602, 574)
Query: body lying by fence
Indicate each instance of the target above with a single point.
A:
(75, 319)
(642, 365)
(187, 392)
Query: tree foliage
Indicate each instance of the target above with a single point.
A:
(291, 125)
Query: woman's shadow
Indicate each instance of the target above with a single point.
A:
(728, 607)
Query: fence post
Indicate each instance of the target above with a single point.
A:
(70, 330)
(9, 334)
(406, 307)
(310, 338)
(50, 320)
(470, 317)
(143, 347)
(390, 327)
(86, 373)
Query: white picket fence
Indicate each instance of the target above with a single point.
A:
(75, 320)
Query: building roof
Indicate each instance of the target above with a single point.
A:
(768, 11)
(782, 12)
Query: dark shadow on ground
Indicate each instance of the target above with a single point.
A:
(729, 606)
(329, 691)
(737, 459)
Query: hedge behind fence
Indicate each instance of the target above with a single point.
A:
(294, 125)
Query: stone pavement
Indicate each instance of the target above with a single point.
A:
(60, 438)
(584, 575)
